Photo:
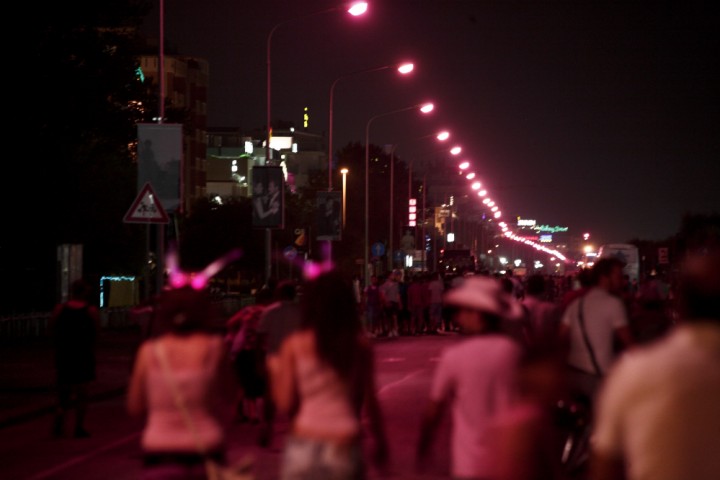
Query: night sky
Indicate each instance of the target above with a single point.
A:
(600, 116)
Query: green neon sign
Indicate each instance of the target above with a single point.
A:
(548, 228)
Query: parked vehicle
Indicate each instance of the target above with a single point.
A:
(455, 261)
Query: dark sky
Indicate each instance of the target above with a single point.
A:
(598, 115)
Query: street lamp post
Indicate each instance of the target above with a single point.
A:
(424, 108)
(442, 136)
(344, 172)
(403, 68)
(354, 9)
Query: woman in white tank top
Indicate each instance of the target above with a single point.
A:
(324, 378)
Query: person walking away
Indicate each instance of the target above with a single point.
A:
(476, 378)
(182, 382)
(404, 312)
(277, 321)
(527, 441)
(416, 304)
(74, 326)
(591, 324)
(657, 413)
(325, 373)
(247, 353)
(373, 308)
(391, 293)
(435, 312)
(543, 315)
(517, 328)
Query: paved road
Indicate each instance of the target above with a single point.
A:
(404, 371)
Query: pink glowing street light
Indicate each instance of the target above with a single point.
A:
(402, 68)
(424, 108)
(440, 136)
(354, 8)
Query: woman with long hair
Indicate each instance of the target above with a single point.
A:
(183, 382)
(324, 379)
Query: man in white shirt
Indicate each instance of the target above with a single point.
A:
(657, 413)
(591, 323)
(476, 378)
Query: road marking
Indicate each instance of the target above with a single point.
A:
(392, 360)
(79, 459)
(398, 382)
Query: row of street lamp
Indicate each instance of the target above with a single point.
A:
(356, 9)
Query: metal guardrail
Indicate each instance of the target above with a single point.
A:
(35, 324)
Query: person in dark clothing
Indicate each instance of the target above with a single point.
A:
(74, 325)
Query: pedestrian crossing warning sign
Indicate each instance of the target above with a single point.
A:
(146, 208)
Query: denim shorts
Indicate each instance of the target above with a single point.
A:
(309, 459)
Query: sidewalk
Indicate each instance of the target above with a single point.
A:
(27, 375)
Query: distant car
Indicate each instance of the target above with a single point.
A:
(454, 262)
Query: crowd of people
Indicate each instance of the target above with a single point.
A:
(648, 375)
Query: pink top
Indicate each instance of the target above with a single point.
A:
(325, 408)
(166, 429)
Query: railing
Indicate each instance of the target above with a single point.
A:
(36, 324)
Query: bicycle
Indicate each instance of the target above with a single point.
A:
(574, 416)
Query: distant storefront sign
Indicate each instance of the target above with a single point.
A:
(524, 222)
(549, 229)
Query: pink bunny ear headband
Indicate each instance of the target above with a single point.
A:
(178, 278)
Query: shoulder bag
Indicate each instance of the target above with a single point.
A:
(215, 470)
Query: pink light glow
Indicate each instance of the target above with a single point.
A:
(406, 68)
(476, 185)
(497, 214)
(464, 165)
(486, 201)
(427, 108)
(456, 150)
(470, 176)
(358, 8)
(442, 136)
(482, 193)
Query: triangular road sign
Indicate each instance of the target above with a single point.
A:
(146, 208)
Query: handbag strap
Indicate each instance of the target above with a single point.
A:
(177, 396)
(581, 320)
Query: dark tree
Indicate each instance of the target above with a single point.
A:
(81, 99)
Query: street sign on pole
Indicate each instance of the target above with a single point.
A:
(378, 249)
(146, 208)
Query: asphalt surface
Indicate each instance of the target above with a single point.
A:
(27, 400)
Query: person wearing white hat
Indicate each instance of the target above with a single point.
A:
(475, 378)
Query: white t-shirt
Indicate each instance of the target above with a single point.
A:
(603, 313)
(478, 376)
(660, 407)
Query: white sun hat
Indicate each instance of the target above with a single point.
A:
(484, 294)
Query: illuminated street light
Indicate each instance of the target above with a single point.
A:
(441, 136)
(424, 108)
(344, 172)
(402, 68)
(355, 9)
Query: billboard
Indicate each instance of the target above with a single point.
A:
(328, 216)
(159, 161)
(268, 197)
